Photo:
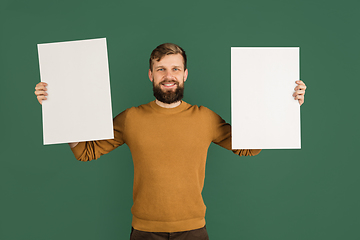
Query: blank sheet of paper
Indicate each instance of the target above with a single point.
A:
(78, 105)
(264, 113)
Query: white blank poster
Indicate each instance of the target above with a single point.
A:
(264, 113)
(78, 105)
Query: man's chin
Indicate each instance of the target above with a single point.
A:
(169, 95)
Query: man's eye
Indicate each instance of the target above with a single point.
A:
(160, 69)
(176, 69)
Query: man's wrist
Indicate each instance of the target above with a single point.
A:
(73, 144)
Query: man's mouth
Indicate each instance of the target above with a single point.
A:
(169, 85)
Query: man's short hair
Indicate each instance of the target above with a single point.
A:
(166, 49)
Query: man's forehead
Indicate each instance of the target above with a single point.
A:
(172, 60)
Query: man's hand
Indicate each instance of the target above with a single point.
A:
(40, 91)
(299, 91)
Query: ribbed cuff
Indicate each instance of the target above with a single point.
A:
(78, 150)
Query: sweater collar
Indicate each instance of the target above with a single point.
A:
(163, 110)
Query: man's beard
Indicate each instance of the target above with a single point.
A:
(168, 96)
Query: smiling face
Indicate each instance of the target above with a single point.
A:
(168, 76)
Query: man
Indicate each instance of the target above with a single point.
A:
(168, 139)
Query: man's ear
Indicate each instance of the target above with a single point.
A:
(150, 75)
(185, 75)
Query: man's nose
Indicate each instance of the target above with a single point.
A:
(169, 75)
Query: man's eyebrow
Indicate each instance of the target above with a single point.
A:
(175, 66)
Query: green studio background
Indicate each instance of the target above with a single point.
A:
(310, 193)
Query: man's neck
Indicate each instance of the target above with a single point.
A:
(167, 105)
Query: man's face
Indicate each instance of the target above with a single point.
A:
(168, 76)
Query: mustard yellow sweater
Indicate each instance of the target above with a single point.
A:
(169, 148)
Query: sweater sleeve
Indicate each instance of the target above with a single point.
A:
(87, 151)
(222, 136)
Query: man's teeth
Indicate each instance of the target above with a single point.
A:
(169, 84)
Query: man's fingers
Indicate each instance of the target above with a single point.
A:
(41, 86)
(40, 98)
(299, 97)
(300, 87)
(299, 92)
(300, 82)
(40, 93)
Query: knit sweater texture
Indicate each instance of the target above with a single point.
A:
(169, 148)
